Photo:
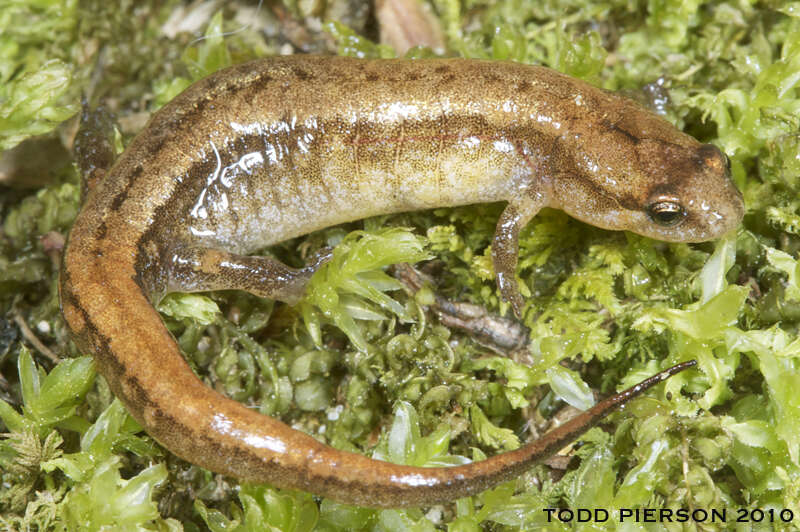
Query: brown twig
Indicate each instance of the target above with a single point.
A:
(501, 335)
(28, 335)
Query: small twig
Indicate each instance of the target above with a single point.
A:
(501, 335)
(28, 334)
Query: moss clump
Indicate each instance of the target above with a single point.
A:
(363, 367)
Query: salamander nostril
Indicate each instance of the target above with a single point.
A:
(709, 156)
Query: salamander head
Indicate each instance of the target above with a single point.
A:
(641, 174)
(700, 203)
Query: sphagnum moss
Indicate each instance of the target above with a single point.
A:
(727, 437)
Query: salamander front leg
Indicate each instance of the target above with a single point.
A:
(204, 269)
(505, 246)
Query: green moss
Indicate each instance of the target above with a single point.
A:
(264, 508)
(90, 494)
(363, 367)
(37, 90)
(342, 289)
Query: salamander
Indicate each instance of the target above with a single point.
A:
(279, 147)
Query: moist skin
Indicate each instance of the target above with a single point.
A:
(275, 148)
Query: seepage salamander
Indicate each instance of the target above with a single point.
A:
(279, 147)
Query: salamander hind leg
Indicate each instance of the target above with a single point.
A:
(94, 146)
(202, 269)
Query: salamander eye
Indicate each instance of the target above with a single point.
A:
(666, 213)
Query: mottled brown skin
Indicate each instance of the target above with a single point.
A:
(280, 147)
